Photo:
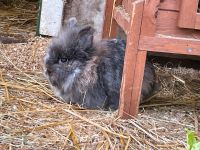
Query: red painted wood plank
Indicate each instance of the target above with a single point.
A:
(171, 5)
(167, 25)
(149, 17)
(197, 23)
(122, 18)
(168, 44)
(187, 16)
(137, 84)
(107, 18)
(130, 61)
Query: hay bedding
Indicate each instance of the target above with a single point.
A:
(18, 19)
(32, 118)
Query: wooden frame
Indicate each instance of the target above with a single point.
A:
(189, 17)
(131, 25)
(150, 25)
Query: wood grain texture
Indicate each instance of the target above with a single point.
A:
(172, 5)
(110, 26)
(149, 17)
(137, 84)
(188, 12)
(107, 18)
(127, 5)
(168, 44)
(197, 23)
(127, 102)
(113, 29)
(167, 24)
(122, 18)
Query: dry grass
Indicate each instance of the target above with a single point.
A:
(18, 19)
(32, 118)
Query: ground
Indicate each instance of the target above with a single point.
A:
(31, 117)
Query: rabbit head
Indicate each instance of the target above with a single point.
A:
(67, 56)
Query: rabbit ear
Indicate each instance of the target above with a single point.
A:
(85, 37)
(71, 22)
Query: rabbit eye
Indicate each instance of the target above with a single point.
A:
(63, 60)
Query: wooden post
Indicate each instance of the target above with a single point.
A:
(130, 87)
(108, 18)
(110, 25)
(137, 84)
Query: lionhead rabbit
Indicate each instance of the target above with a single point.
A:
(81, 71)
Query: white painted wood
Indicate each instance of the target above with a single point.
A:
(51, 17)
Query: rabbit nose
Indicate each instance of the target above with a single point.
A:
(48, 71)
(54, 83)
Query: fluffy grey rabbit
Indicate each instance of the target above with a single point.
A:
(81, 71)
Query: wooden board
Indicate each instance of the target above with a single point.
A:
(188, 12)
(149, 17)
(167, 24)
(197, 23)
(138, 79)
(51, 17)
(122, 18)
(127, 5)
(170, 5)
(108, 18)
(168, 44)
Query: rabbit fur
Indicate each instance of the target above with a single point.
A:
(88, 73)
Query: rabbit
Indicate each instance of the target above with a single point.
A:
(87, 72)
